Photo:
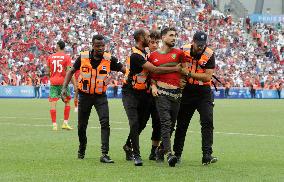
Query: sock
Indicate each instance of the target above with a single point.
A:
(76, 102)
(66, 113)
(53, 115)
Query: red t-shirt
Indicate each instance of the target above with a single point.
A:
(58, 64)
(158, 59)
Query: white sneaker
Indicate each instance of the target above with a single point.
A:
(76, 109)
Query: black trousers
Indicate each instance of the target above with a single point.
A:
(151, 110)
(156, 125)
(86, 102)
(36, 88)
(227, 92)
(252, 93)
(168, 111)
(136, 106)
(198, 98)
(115, 89)
(279, 93)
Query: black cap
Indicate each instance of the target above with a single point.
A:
(200, 38)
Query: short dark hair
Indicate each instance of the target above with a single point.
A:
(138, 33)
(166, 30)
(155, 35)
(61, 44)
(97, 37)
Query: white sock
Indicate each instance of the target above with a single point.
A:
(65, 121)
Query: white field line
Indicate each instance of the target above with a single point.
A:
(116, 128)
(47, 119)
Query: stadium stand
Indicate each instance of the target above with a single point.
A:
(245, 55)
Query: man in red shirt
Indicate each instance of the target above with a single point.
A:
(135, 96)
(57, 65)
(166, 89)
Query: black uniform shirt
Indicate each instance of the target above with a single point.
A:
(210, 63)
(115, 65)
(193, 91)
(136, 63)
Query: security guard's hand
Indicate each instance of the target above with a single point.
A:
(182, 83)
(63, 94)
(178, 67)
(184, 71)
(154, 90)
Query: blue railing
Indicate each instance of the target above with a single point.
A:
(234, 93)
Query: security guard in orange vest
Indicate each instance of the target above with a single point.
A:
(94, 66)
(136, 100)
(197, 95)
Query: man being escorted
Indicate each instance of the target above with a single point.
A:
(94, 66)
(166, 89)
(135, 97)
(197, 95)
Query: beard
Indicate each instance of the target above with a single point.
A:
(170, 44)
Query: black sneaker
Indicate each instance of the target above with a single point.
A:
(81, 152)
(159, 154)
(138, 161)
(152, 156)
(106, 159)
(172, 160)
(128, 153)
(208, 159)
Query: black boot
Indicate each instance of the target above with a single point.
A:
(128, 153)
(152, 155)
(81, 151)
(138, 161)
(159, 152)
(106, 159)
(172, 160)
(208, 159)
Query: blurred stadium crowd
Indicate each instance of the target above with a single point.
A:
(246, 53)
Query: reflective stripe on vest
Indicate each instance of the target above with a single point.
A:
(194, 66)
(138, 80)
(91, 80)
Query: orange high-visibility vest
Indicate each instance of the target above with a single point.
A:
(139, 80)
(194, 66)
(91, 80)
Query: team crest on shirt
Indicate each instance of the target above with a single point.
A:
(84, 69)
(174, 56)
(104, 68)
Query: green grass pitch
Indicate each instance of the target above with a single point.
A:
(248, 140)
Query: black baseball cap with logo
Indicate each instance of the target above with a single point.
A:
(200, 38)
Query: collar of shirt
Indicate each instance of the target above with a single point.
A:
(143, 51)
